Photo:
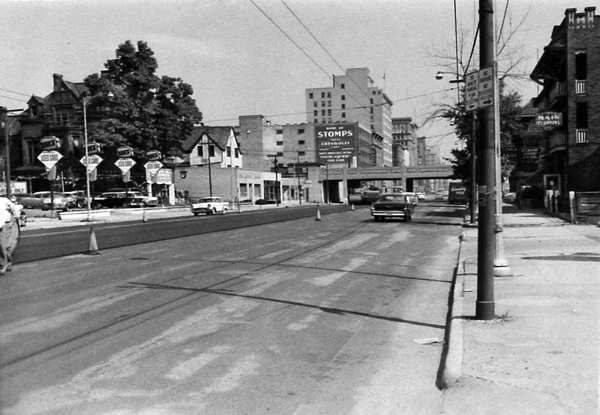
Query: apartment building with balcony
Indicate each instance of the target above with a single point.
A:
(569, 73)
(354, 97)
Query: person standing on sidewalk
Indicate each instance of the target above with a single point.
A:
(9, 233)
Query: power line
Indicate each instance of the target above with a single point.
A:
(14, 92)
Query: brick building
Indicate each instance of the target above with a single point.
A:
(569, 72)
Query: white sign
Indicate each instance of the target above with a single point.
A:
(163, 176)
(471, 90)
(152, 167)
(125, 164)
(91, 163)
(479, 89)
(49, 158)
(486, 88)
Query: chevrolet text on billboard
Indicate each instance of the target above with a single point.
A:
(336, 143)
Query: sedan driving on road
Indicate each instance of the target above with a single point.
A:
(393, 205)
(209, 206)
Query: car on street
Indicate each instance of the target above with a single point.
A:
(112, 200)
(79, 198)
(420, 196)
(393, 206)
(34, 200)
(58, 201)
(149, 201)
(209, 206)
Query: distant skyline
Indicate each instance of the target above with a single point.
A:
(239, 62)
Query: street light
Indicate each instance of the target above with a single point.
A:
(84, 102)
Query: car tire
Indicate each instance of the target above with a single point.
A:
(28, 207)
(80, 205)
(195, 213)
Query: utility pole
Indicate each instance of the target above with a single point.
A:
(4, 121)
(485, 306)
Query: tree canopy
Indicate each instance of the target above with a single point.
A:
(131, 105)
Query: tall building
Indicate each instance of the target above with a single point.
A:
(355, 98)
(569, 104)
(404, 142)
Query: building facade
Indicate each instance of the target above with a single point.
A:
(569, 73)
(404, 142)
(354, 97)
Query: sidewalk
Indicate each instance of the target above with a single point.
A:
(541, 354)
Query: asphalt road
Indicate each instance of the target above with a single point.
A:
(339, 316)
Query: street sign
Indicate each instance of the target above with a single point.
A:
(125, 164)
(152, 167)
(91, 163)
(471, 90)
(486, 88)
(479, 89)
(49, 158)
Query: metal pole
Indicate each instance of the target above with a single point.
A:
(7, 152)
(485, 306)
(473, 172)
(87, 160)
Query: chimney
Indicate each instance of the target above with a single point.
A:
(589, 11)
(57, 81)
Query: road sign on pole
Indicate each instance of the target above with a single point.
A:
(125, 164)
(91, 163)
(49, 158)
(479, 89)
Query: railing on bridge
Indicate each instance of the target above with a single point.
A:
(380, 173)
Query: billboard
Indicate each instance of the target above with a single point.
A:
(336, 143)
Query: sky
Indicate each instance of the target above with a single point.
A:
(257, 57)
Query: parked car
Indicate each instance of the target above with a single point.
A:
(148, 200)
(393, 205)
(420, 196)
(209, 206)
(79, 198)
(111, 200)
(60, 201)
(34, 200)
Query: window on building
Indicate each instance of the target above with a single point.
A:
(315, 103)
(211, 151)
(322, 112)
(343, 115)
(300, 130)
(301, 142)
(322, 94)
(323, 120)
(329, 103)
(316, 112)
(228, 151)
(301, 153)
(343, 106)
(371, 101)
(374, 92)
(372, 111)
(342, 86)
(582, 115)
(200, 150)
(316, 121)
(243, 191)
(343, 97)
(322, 103)
(279, 131)
(328, 112)
(280, 143)
(310, 95)
(580, 66)
(329, 95)
(237, 153)
(280, 154)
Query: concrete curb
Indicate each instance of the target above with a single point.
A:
(452, 370)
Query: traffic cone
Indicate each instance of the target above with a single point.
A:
(93, 246)
(318, 214)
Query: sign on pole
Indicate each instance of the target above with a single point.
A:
(91, 163)
(125, 164)
(479, 89)
(486, 88)
(49, 158)
(151, 168)
(471, 91)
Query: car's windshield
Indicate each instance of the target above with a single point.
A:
(206, 200)
(392, 197)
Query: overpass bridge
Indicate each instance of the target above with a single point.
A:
(337, 181)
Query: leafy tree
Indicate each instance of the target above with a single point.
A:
(130, 105)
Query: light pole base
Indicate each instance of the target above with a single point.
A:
(502, 271)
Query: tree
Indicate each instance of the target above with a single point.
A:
(511, 72)
(132, 106)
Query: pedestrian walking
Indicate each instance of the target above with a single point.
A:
(9, 233)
